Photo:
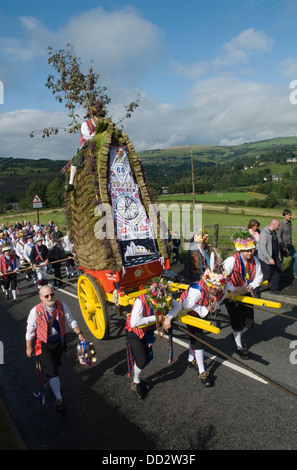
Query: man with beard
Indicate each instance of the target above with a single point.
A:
(46, 327)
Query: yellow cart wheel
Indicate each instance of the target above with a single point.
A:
(93, 306)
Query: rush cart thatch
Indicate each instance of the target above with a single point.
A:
(116, 232)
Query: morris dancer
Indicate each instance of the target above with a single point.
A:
(46, 327)
(27, 253)
(20, 251)
(39, 261)
(200, 299)
(148, 308)
(87, 133)
(245, 276)
(9, 265)
(197, 260)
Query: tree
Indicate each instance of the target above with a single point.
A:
(55, 192)
(75, 89)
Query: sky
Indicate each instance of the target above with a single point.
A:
(219, 72)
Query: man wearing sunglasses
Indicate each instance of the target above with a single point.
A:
(46, 327)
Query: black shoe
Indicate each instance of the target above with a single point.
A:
(69, 188)
(145, 384)
(6, 296)
(59, 404)
(276, 292)
(138, 390)
(205, 379)
(243, 353)
(16, 301)
(193, 364)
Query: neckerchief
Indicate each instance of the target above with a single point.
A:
(245, 270)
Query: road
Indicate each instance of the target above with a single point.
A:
(241, 411)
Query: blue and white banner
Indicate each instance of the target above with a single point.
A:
(132, 225)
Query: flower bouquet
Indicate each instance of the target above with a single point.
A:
(86, 353)
(159, 296)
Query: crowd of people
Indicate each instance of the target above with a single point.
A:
(36, 251)
(258, 256)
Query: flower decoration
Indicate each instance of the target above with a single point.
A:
(86, 353)
(97, 109)
(243, 240)
(216, 278)
(159, 295)
(201, 236)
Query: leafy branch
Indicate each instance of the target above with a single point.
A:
(75, 89)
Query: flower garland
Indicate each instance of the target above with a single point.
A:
(243, 240)
(216, 278)
(159, 296)
(201, 236)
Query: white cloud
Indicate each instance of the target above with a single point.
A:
(15, 128)
(121, 43)
(244, 46)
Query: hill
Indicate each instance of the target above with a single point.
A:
(219, 167)
(215, 167)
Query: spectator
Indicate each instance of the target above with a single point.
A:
(284, 235)
(269, 256)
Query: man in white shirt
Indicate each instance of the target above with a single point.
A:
(140, 334)
(87, 133)
(245, 276)
(46, 326)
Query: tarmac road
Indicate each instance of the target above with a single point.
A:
(241, 411)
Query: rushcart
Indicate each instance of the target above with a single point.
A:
(118, 247)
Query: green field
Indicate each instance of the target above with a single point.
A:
(220, 197)
(212, 214)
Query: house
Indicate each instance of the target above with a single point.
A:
(276, 178)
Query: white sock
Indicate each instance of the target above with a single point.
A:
(244, 330)
(56, 387)
(72, 174)
(199, 356)
(137, 374)
(191, 355)
(13, 294)
(237, 337)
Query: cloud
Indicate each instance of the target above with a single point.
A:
(120, 43)
(243, 47)
(15, 128)
(218, 111)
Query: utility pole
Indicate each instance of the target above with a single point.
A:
(193, 190)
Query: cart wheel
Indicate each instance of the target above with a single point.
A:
(93, 306)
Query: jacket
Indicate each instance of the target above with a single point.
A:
(265, 246)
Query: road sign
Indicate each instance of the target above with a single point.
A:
(37, 202)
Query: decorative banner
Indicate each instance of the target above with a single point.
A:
(133, 228)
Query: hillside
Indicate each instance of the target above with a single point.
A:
(216, 167)
(220, 168)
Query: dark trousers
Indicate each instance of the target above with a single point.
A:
(240, 315)
(195, 343)
(139, 349)
(51, 358)
(58, 276)
(272, 273)
(10, 281)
